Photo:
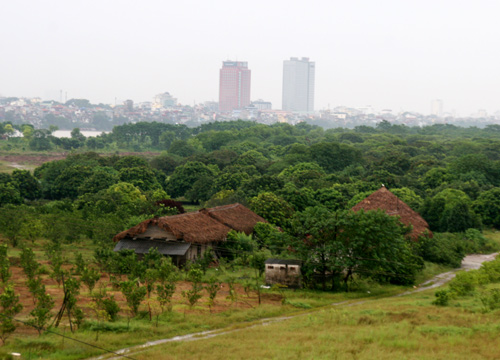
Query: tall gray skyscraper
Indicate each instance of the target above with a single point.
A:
(298, 85)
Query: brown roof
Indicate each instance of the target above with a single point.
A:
(235, 216)
(206, 225)
(384, 200)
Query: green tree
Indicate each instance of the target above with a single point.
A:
(134, 293)
(186, 175)
(29, 188)
(212, 289)
(29, 263)
(90, 277)
(272, 208)
(194, 294)
(487, 205)
(10, 306)
(41, 314)
(5, 273)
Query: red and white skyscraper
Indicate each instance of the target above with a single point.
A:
(234, 85)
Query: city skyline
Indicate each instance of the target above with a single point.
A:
(387, 54)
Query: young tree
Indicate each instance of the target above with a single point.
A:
(192, 296)
(41, 315)
(29, 263)
(134, 293)
(10, 306)
(90, 277)
(167, 276)
(5, 273)
(212, 289)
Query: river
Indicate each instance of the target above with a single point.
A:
(86, 133)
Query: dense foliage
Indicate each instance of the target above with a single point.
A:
(301, 178)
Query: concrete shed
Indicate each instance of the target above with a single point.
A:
(284, 272)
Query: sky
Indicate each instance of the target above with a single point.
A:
(389, 54)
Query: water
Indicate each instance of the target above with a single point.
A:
(86, 133)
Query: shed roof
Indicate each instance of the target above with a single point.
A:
(283, 262)
(143, 246)
(384, 200)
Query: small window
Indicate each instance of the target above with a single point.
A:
(292, 269)
(270, 267)
(282, 268)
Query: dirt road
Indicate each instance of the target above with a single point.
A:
(468, 263)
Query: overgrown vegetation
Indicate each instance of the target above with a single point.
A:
(302, 179)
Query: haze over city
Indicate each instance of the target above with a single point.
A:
(387, 54)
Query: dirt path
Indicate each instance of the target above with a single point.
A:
(468, 263)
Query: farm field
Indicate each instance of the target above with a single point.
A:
(236, 310)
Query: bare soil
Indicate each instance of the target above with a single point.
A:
(33, 160)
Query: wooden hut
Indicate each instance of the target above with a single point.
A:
(283, 272)
(384, 200)
(185, 237)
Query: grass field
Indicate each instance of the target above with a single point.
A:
(368, 325)
(408, 327)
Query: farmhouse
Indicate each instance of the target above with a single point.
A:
(283, 272)
(185, 237)
(384, 200)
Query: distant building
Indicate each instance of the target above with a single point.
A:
(129, 105)
(298, 85)
(437, 107)
(164, 100)
(262, 105)
(234, 86)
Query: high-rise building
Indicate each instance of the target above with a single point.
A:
(298, 85)
(164, 100)
(437, 107)
(234, 85)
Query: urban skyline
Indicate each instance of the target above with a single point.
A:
(387, 54)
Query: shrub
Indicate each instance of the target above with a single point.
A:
(465, 282)
(492, 270)
(444, 248)
(111, 307)
(490, 299)
(442, 298)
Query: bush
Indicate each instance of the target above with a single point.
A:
(492, 270)
(442, 298)
(111, 307)
(491, 299)
(475, 242)
(465, 282)
(443, 248)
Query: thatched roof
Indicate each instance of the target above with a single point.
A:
(204, 226)
(235, 216)
(384, 200)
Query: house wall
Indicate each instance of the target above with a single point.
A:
(196, 251)
(283, 274)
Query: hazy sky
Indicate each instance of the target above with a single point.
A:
(397, 54)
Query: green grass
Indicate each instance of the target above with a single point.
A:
(407, 327)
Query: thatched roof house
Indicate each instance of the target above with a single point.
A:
(384, 200)
(175, 235)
